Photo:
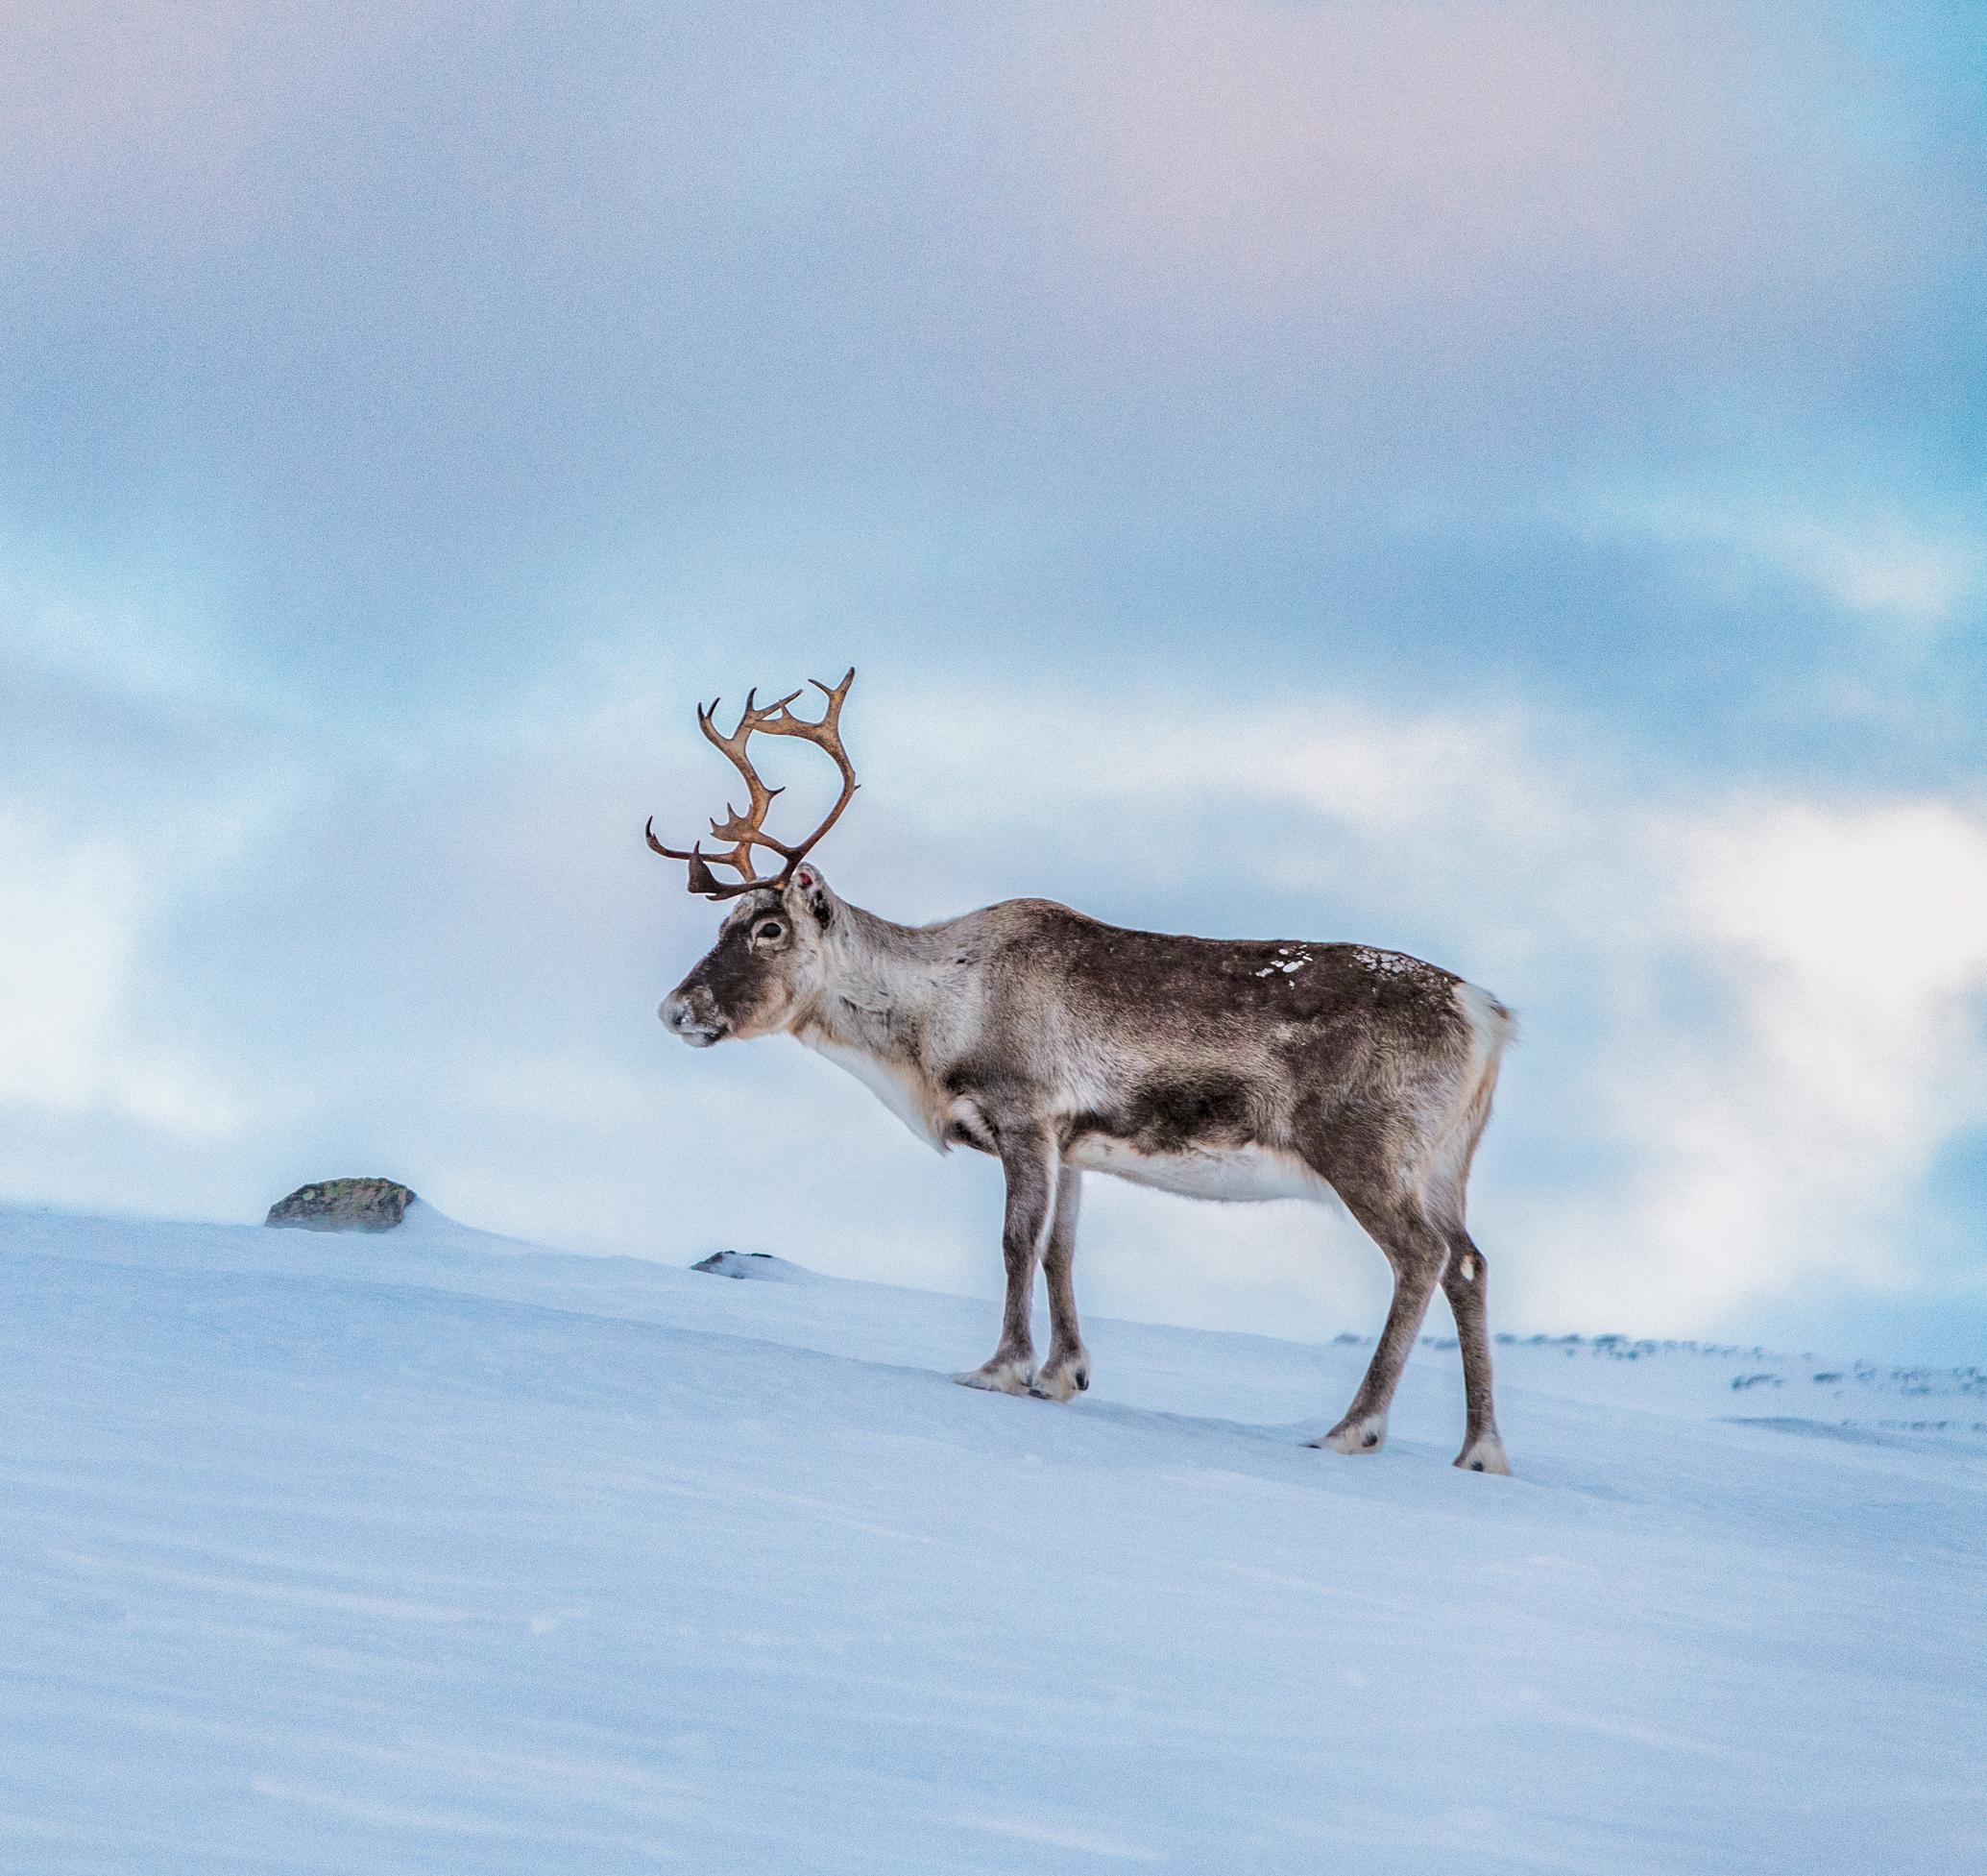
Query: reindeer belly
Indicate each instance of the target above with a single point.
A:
(1235, 1173)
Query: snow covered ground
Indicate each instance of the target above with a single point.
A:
(437, 1553)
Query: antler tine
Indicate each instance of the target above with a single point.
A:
(701, 878)
(836, 695)
(823, 735)
(746, 831)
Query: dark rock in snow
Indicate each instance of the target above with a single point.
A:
(753, 1265)
(343, 1205)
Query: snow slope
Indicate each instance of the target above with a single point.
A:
(437, 1553)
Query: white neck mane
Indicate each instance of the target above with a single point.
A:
(891, 992)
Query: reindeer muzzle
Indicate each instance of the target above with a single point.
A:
(699, 1026)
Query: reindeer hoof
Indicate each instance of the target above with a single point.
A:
(1059, 1381)
(1484, 1456)
(1001, 1378)
(1366, 1435)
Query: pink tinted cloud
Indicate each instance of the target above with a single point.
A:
(122, 112)
(1253, 159)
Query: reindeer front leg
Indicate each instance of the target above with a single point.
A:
(1067, 1371)
(1030, 1158)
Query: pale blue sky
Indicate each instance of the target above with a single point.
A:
(1506, 482)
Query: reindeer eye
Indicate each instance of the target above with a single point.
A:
(771, 929)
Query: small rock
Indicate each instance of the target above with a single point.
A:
(343, 1205)
(761, 1266)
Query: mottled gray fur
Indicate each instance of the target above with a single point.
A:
(1217, 1068)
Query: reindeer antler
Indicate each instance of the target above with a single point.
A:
(747, 831)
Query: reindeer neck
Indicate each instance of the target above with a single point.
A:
(882, 978)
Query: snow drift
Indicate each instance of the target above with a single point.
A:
(441, 1553)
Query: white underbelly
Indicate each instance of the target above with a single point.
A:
(1240, 1173)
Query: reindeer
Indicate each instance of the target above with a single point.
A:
(1061, 1046)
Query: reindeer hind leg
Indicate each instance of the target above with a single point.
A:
(1417, 1254)
(1464, 1283)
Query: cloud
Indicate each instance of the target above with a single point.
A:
(123, 791)
(408, 345)
(76, 911)
(1907, 569)
(1475, 170)
(64, 946)
(1789, 1143)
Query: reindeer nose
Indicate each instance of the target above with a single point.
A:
(679, 1018)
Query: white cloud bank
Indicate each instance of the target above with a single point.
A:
(76, 907)
(1791, 1140)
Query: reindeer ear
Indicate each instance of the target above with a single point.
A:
(811, 892)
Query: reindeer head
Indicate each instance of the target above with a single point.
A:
(765, 967)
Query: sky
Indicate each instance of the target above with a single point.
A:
(1504, 482)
